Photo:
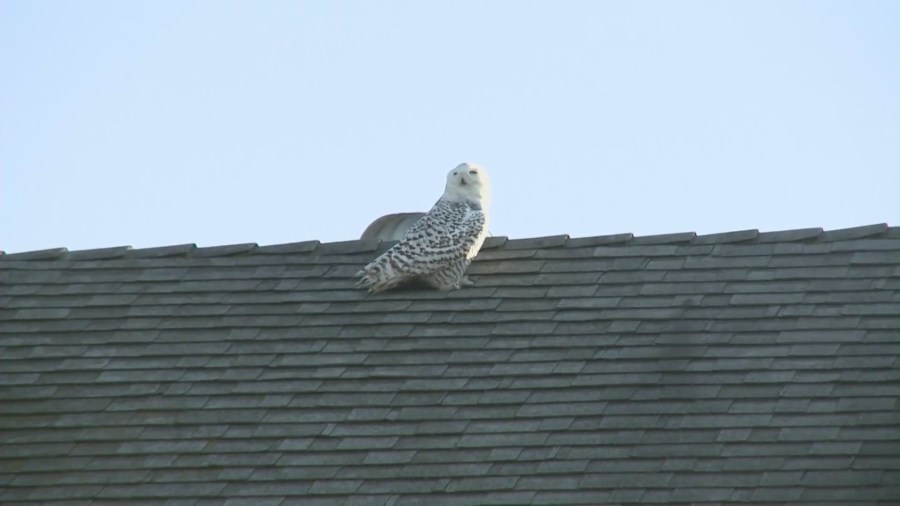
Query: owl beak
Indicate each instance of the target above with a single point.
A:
(462, 181)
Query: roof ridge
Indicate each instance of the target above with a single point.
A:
(495, 242)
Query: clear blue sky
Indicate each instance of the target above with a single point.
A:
(152, 123)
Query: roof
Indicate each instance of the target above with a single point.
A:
(742, 366)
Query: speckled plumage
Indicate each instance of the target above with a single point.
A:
(439, 247)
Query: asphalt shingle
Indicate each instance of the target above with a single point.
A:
(732, 367)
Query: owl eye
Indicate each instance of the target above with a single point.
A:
(455, 173)
(473, 172)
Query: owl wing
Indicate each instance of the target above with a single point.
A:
(449, 232)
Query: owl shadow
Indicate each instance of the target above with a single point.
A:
(420, 285)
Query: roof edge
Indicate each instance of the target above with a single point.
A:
(495, 242)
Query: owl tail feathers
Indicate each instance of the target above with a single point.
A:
(375, 279)
(366, 280)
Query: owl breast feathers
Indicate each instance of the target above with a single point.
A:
(439, 247)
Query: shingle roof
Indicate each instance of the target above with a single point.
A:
(677, 368)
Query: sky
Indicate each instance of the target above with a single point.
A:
(154, 123)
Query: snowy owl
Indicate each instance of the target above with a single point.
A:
(439, 247)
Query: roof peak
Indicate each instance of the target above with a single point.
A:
(556, 241)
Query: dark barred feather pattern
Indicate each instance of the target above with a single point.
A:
(437, 249)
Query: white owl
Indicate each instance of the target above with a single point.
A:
(439, 247)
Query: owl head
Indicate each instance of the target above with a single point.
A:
(468, 182)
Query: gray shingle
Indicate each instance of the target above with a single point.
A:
(164, 251)
(504, 254)
(494, 242)
(727, 237)
(854, 232)
(44, 254)
(98, 254)
(552, 241)
(296, 247)
(581, 497)
(680, 237)
(584, 242)
(801, 234)
(227, 250)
